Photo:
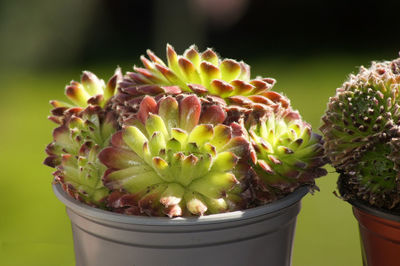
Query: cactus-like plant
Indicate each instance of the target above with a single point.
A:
(362, 135)
(177, 160)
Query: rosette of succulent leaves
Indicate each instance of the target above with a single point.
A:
(283, 152)
(195, 136)
(85, 128)
(362, 135)
(178, 159)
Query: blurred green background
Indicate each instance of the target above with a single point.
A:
(310, 49)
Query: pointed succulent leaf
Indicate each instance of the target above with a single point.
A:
(195, 203)
(168, 110)
(189, 112)
(230, 70)
(214, 184)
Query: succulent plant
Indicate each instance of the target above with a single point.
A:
(74, 153)
(85, 128)
(195, 136)
(178, 159)
(285, 152)
(203, 73)
(90, 91)
(361, 128)
(217, 81)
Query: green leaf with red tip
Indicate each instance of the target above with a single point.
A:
(159, 163)
(242, 87)
(225, 161)
(222, 135)
(203, 166)
(188, 170)
(180, 135)
(214, 184)
(193, 56)
(135, 139)
(171, 77)
(230, 70)
(147, 76)
(154, 58)
(221, 88)
(155, 123)
(157, 143)
(91, 83)
(208, 72)
(134, 179)
(189, 71)
(201, 134)
(176, 164)
(148, 64)
(111, 87)
(168, 110)
(63, 141)
(238, 145)
(210, 56)
(118, 158)
(174, 145)
(259, 85)
(77, 95)
(173, 60)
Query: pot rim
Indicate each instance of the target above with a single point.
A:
(92, 212)
(374, 210)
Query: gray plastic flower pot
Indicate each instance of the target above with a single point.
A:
(258, 236)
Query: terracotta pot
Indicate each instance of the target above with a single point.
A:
(380, 235)
(258, 236)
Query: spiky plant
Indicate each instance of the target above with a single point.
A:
(176, 160)
(84, 130)
(362, 135)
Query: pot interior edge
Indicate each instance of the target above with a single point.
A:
(374, 211)
(91, 212)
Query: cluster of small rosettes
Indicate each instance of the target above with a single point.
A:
(194, 136)
(361, 129)
(74, 152)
